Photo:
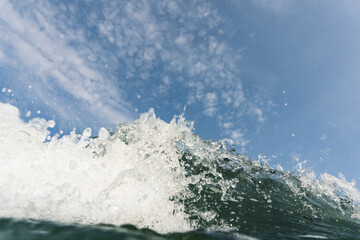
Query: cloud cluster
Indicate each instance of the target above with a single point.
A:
(41, 48)
(104, 54)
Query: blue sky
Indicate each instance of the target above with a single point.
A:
(279, 77)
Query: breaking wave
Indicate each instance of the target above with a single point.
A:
(162, 176)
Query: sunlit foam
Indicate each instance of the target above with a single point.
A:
(130, 176)
(77, 179)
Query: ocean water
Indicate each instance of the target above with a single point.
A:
(155, 180)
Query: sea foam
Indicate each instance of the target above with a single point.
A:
(100, 180)
(156, 175)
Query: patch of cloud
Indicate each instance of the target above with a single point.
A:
(258, 112)
(210, 102)
(106, 53)
(181, 40)
(166, 80)
(323, 137)
(239, 137)
(51, 63)
(238, 95)
(227, 125)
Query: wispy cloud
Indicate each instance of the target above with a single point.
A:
(104, 54)
(210, 102)
(238, 136)
(323, 137)
(36, 44)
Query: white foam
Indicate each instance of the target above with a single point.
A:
(103, 180)
(312, 236)
(335, 188)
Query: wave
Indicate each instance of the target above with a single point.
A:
(162, 176)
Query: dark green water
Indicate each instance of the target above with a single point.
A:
(14, 229)
(11, 229)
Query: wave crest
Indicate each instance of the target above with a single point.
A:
(158, 175)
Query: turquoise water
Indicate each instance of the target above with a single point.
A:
(155, 180)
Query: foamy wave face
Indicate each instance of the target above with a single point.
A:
(79, 179)
(161, 176)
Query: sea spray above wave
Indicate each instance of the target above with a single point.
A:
(162, 176)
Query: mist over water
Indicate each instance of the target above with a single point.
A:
(162, 176)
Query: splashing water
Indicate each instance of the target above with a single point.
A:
(162, 176)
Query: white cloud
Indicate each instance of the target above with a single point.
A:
(227, 125)
(166, 80)
(238, 96)
(36, 44)
(173, 8)
(149, 54)
(184, 44)
(239, 137)
(323, 137)
(210, 111)
(211, 98)
(210, 102)
(198, 68)
(258, 113)
(120, 49)
(181, 40)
